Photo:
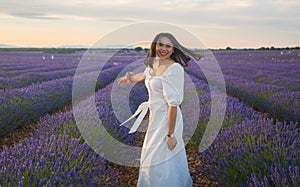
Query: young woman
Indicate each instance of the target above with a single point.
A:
(163, 159)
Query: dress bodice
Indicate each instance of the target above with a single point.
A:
(167, 87)
(154, 87)
(163, 90)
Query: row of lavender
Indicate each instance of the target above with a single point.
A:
(275, 101)
(277, 67)
(20, 106)
(267, 80)
(55, 155)
(255, 153)
(21, 69)
(250, 150)
(25, 105)
(11, 61)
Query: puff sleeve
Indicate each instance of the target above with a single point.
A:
(173, 85)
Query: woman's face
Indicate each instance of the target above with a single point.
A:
(164, 48)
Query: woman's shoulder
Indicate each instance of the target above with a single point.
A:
(176, 66)
(174, 69)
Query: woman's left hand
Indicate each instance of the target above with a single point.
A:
(171, 142)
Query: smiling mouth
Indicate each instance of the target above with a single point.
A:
(163, 54)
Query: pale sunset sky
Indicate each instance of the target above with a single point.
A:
(217, 23)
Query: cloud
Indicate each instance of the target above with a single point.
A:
(214, 12)
(122, 19)
(220, 16)
(32, 15)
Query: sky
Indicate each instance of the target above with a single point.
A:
(217, 23)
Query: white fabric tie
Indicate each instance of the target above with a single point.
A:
(143, 108)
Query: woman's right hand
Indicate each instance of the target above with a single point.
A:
(125, 80)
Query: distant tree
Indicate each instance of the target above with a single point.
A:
(264, 48)
(138, 49)
(228, 48)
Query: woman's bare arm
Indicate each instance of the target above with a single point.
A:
(172, 113)
(171, 141)
(139, 77)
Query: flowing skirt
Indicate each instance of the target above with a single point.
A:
(161, 167)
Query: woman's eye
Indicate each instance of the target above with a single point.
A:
(167, 45)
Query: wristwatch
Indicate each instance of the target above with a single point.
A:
(170, 135)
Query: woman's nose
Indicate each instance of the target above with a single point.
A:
(164, 47)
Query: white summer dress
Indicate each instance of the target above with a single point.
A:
(160, 167)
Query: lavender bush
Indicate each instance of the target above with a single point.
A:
(255, 152)
(250, 150)
(54, 155)
(257, 94)
(21, 69)
(24, 105)
(277, 67)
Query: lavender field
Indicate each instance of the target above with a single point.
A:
(258, 145)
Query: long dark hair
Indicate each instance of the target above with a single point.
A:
(181, 54)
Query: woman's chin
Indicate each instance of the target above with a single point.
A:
(162, 57)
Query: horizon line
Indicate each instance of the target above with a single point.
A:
(7, 46)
